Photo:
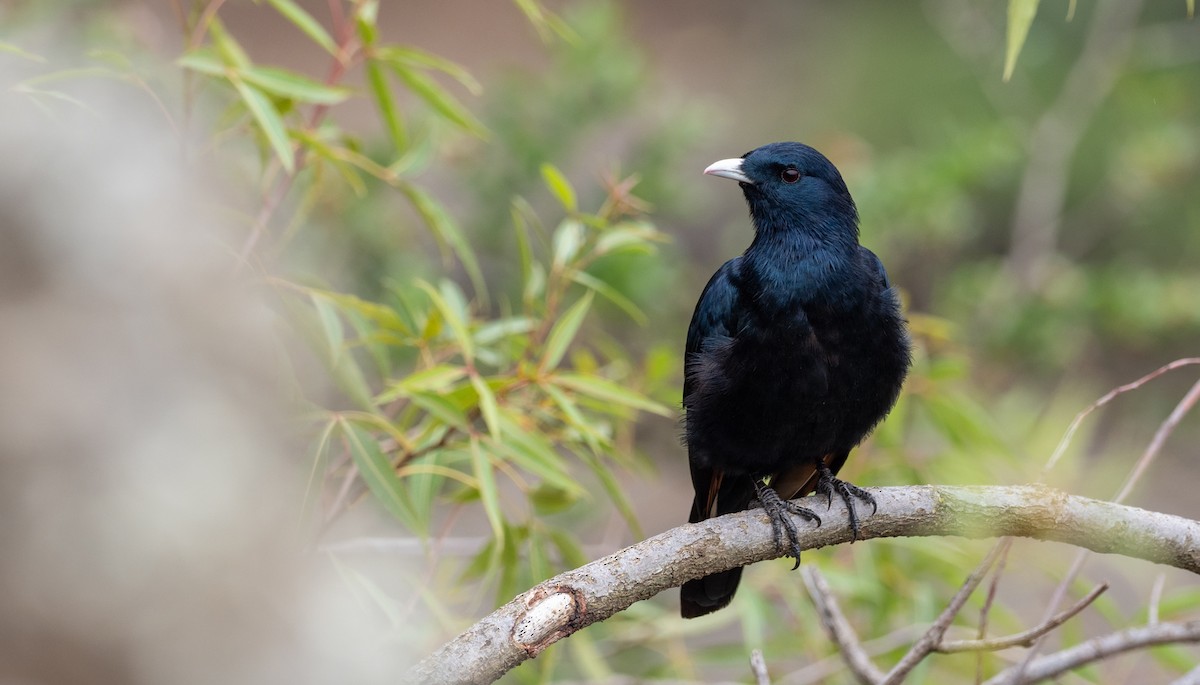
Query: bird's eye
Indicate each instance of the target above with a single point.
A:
(789, 175)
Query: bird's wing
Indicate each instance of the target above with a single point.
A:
(874, 269)
(715, 317)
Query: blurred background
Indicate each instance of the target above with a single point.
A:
(471, 235)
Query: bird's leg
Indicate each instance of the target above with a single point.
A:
(782, 524)
(827, 485)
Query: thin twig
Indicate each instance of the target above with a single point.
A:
(1094, 650)
(1005, 546)
(1192, 677)
(840, 632)
(933, 637)
(1025, 638)
(1155, 598)
(1160, 437)
(821, 670)
(759, 668)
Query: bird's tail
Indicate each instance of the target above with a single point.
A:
(705, 595)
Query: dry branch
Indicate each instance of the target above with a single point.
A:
(570, 601)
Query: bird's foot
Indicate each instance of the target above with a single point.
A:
(827, 485)
(781, 523)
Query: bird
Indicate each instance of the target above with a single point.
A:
(796, 350)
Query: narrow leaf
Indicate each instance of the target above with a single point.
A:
(227, 46)
(288, 84)
(304, 21)
(270, 121)
(564, 332)
(611, 294)
(439, 99)
(1020, 18)
(560, 186)
(420, 58)
(376, 471)
(604, 389)
(447, 233)
(385, 102)
(204, 61)
(453, 318)
(487, 406)
(488, 492)
(568, 238)
(10, 49)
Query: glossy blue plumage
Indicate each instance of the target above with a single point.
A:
(796, 350)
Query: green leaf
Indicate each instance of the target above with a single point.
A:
(385, 102)
(419, 58)
(1020, 18)
(316, 475)
(568, 238)
(488, 492)
(441, 101)
(377, 472)
(560, 186)
(9, 48)
(615, 492)
(564, 332)
(487, 406)
(269, 120)
(606, 390)
(595, 439)
(530, 451)
(229, 49)
(287, 84)
(442, 409)
(434, 379)
(331, 326)
(453, 319)
(611, 294)
(304, 21)
(498, 329)
(447, 233)
(204, 61)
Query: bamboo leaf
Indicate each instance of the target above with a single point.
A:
(10, 49)
(604, 389)
(288, 84)
(439, 99)
(453, 319)
(304, 21)
(269, 120)
(231, 52)
(564, 332)
(419, 58)
(488, 492)
(447, 233)
(204, 61)
(376, 471)
(568, 238)
(1020, 18)
(560, 186)
(385, 102)
(441, 408)
(316, 475)
(611, 294)
(487, 406)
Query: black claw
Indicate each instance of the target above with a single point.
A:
(827, 485)
(784, 528)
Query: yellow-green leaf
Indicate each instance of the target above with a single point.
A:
(385, 102)
(11, 49)
(419, 58)
(292, 85)
(439, 99)
(1020, 18)
(564, 332)
(458, 327)
(568, 239)
(304, 21)
(229, 49)
(447, 233)
(560, 186)
(488, 492)
(611, 294)
(270, 121)
(376, 471)
(604, 389)
(487, 406)
(204, 61)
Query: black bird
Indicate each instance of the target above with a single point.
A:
(796, 350)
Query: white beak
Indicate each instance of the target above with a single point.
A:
(729, 168)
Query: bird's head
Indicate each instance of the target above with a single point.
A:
(791, 186)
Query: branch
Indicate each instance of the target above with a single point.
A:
(570, 601)
(1099, 648)
(839, 629)
(1024, 638)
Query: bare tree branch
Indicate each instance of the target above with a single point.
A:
(1025, 638)
(1093, 650)
(838, 628)
(933, 637)
(570, 601)
(758, 666)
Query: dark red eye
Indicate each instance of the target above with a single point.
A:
(789, 175)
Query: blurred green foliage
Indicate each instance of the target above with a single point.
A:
(469, 298)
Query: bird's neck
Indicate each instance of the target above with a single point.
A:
(803, 266)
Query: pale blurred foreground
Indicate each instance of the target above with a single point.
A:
(148, 522)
